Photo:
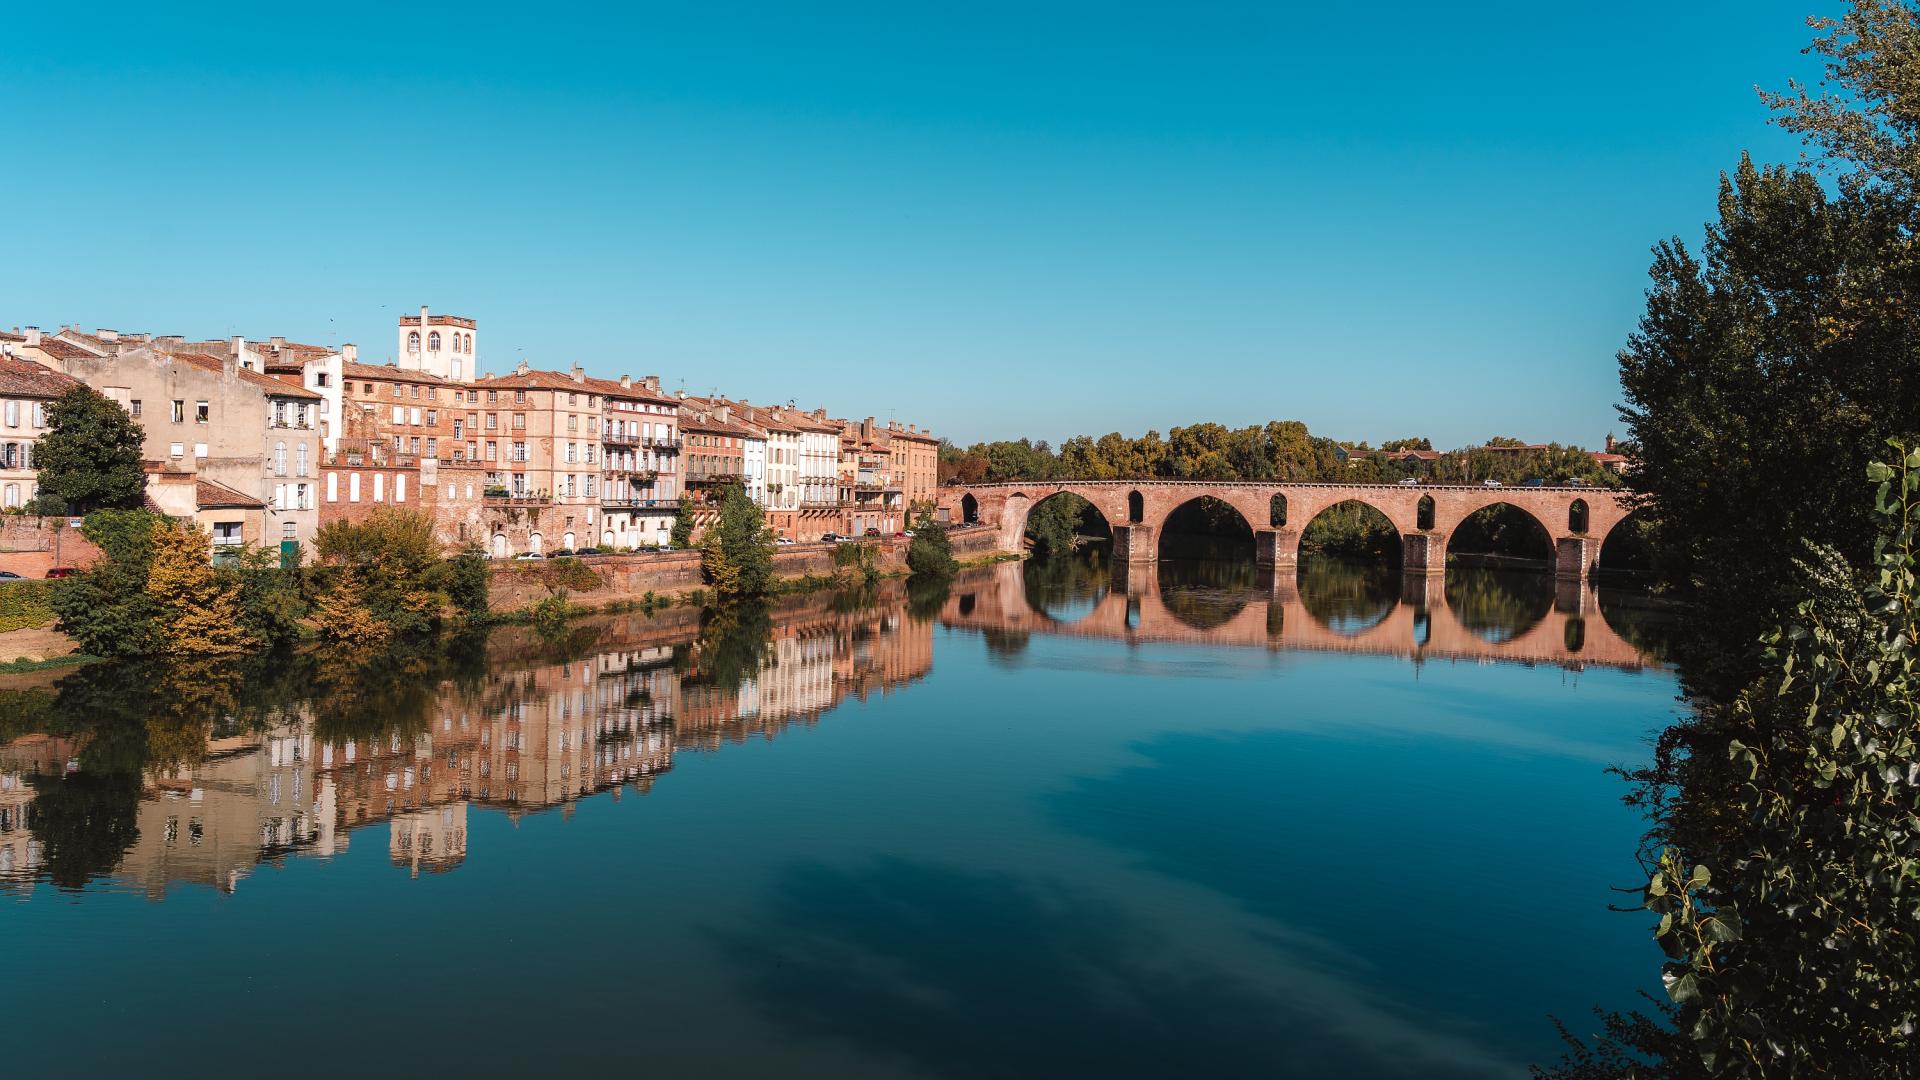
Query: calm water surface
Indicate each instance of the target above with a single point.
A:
(1050, 822)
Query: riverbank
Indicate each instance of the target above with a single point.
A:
(596, 582)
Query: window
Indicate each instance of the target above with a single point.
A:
(39, 414)
(413, 445)
(413, 341)
(519, 397)
(320, 379)
(413, 416)
(433, 415)
(492, 450)
(413, 391)
(333, 487)
(519, 451)
(135, 408)
(433, 341)
(399, 414)
(280, 459)
(13, 495)
(279, 496)
(179, 411)
(303, 496)
(379, 485)
(200, 412)
(353, 487)
(300, 460)
(286, 531)
(176, 449)
(433, 393)
(433, 447)
(300, 415)
(493, 421)
(400, 488)
(13, 414)
(199, 449)
(519, 421)
(573, 422)
(493, 397)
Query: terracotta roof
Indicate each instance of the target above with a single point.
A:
(24, 378)
(207, 494)
(538, 380)
(64, 350)
(635, 392)
(693, 420)
(271, 385)
(388, 371)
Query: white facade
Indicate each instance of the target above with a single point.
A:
(441, 345)
(753, 468)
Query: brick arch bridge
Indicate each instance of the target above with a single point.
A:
(1420, 625)
(1137, 510)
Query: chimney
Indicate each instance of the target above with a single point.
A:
(626, 382)
(350, 353)
(33, 337)
(578, 375)
(278, 343)
(239, 345)
(169, 339)
(651, 382)
(423, 321)
(683, 395)
(105, 334)
(521, 369)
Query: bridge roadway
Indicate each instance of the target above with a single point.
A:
(1421, 626)
(1576, 519)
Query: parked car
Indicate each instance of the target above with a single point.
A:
(873, 532)
(60, 572)
(901, 533)
(782, 540)
(1409, 482)
(1490, 483)
(1535, 482)
(1575, 481)
(8, 575)
(528, 555)
(828, 538)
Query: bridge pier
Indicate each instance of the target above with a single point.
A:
(1570, 596)
(1572, 557)
(1423, 553)
(1282, 586)
(1134, 544)
(1278, 548)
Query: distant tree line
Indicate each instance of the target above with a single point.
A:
(1277, 450)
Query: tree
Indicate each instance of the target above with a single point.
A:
(931, 552)
(396, 567)
(344, 616)
(198, 610)
(89, 459)
(1790, 932)
(737, 557)
(682, 534)
(107, 609)
(271, 606)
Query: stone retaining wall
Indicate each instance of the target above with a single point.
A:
(30, 546)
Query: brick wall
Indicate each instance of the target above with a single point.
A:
(30, 546)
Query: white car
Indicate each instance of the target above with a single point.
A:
(782, 540)
(1408, 482)
(1490, 483)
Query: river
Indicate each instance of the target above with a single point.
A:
(1047, 822)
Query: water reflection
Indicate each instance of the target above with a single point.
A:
(154, 778)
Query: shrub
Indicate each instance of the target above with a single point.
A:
(25, 604)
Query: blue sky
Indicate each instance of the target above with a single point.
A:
(996, 219)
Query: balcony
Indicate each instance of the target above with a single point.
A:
(505, 497)
(671, 446)
(716, 479)
(624, 438)
(640, 504)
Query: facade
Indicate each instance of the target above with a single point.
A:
(716, 450)
(640, 454)
(26, 388)
(872, 486)
(916, 461)
(208, 415)
(542, 429)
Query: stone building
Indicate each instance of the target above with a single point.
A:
(548, 425)
(640, 471)
(26, 388)
(439, 345)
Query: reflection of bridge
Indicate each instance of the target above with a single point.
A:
(1577, 519)
(1422, 625)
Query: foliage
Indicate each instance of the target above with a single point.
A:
(271, 604)
(89, 459)
(1351, 530)
(682, 534)
(856, 565)
(931, 552)
(197, 609)
(107, 609)
(1501, 529)
(1277, 450)
(467, 579)
(1055, 524)
(24, 604)
(1791, 935)
(344, 617)
(737, 557)
(396, 569)
(550, 615)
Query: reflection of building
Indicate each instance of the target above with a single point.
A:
(524, 739)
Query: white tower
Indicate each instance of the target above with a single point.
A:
(441, 345)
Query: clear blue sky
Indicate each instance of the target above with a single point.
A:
(997, 219)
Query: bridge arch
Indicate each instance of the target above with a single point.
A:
(1352, 528)
(1217, 516)
(1020, 508)
(969, 509)
(1577, 516)
(1542, 529)
(1136, 507)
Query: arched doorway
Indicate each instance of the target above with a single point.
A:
(499, 545)
(566, 541)
(533, 544)
(969, 509)
(606, 538)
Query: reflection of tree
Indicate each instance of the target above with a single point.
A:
(1206, 594)
(1065, 588)
(1638, 622)
(734, 644)
(1501, 529)
(86, 820)
(1206, 528)
(983, 975)
(1352, 530)
(1348, 597)
(1498, 605)
(927, 597)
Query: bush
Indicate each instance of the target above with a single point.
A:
(25, 604)
(107, 609)
(931, 552)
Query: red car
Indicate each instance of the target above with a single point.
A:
(60, 572)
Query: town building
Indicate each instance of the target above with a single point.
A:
(541, 431)
(439, 345)
(640, 453)
(26, 389)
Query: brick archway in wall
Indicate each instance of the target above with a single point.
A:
(1137, 511)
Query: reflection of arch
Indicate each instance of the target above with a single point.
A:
(969, 509)
(1577, 516)
(1136, 508)
(1575, 633)
(499, 545)
(1498, 606)
(1348, 598)
(1063, 591)
(1277, 510)
(1423, 517)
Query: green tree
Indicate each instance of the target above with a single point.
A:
(737, 557)
(931, 552)
(396, 567)
(682, 534)
(271, 604)
(107, 609)
(89, 459)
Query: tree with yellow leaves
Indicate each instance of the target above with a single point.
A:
(198, 609)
